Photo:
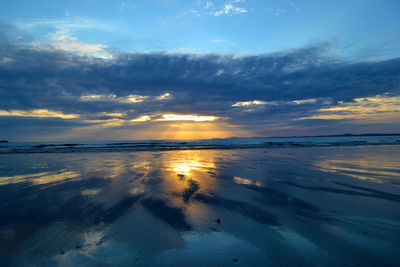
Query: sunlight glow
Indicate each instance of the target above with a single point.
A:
(175, 117)
(184, 130)
(141, 119)
(111, 114)
(104, 123)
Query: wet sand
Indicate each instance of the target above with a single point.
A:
(311, 206)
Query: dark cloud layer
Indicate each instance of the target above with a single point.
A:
(34, 77)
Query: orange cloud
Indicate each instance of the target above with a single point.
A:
(378, 108)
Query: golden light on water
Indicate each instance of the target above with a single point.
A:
(185, 167)
(188, 173)
(188, 168)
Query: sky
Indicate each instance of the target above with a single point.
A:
(182, 69)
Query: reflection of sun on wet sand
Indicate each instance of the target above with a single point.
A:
(186, 166)
(188, 169)
(186, 174)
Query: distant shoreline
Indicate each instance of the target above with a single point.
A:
(71, 143)
(332, 135)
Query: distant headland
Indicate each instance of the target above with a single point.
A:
(340, 135)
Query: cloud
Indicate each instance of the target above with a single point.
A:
(222, 42)
(293, 5)
(190, 117)
(174, 117)
(108, 114)
(276, 11)
(5, 60)
(366, 110)
(305, 101)
(254, 103)
(141, 119)
(113, 97)
(69, 23)
(38, 113)
(61, 33)
(124, 99)
(208, 5)
(230, 9)
(266, 94)
(126, 5)
(62, 40)
(165, 96)
(250, 103)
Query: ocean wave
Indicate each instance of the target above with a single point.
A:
(230, 143)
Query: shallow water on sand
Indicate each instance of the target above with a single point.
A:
(324, 206)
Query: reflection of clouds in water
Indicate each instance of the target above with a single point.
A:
(380, 168)
(90, 192)
(41, 178)
(349, 190)
(241, 180)
(113, 168)
(142, 167)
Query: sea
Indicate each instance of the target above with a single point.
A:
(220, 143)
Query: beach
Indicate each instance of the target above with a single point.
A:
(166, 133)
(267, 206)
